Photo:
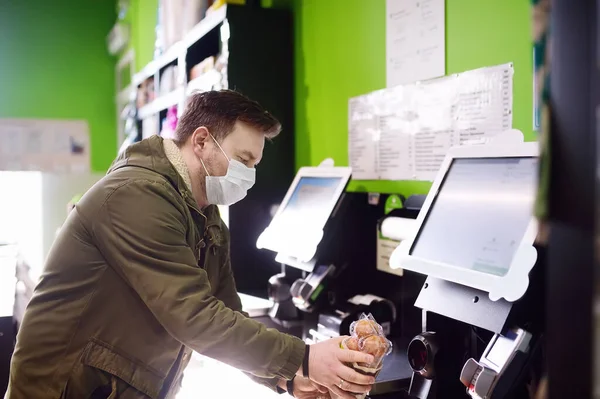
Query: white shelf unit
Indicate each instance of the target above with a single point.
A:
(204, 82)
(160, 103)
(176, 56)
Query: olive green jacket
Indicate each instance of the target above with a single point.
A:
(137, 279)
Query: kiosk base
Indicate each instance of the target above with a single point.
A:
(451, 310)
(421, 388)
(466, 304)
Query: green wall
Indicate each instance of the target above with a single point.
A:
(340, 53)
(54, 64)
(142, 16)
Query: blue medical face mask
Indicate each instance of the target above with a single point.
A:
(231, 188)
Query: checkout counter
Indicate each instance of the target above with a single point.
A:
(468, 258)
(326, 241)
(482, 301)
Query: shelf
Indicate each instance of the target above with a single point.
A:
(204, 82)
(160, 104)
(209, 22)
(154, 66)
(125, 95)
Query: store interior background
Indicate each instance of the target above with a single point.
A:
(56, 65)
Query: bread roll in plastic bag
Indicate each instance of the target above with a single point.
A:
(367, 336)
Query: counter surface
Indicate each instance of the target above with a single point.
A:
(212, 379)
(208, 378)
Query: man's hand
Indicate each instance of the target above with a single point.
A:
(326, 368)
(306, 389)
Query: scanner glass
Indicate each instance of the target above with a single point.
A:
(501, 351)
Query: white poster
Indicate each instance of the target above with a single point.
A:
(362, 151)
(60, 146)
(415, 40)
(404, 132)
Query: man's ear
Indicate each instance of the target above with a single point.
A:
(199, 138)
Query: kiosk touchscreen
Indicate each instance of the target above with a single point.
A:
(297, 227)
(476, 227)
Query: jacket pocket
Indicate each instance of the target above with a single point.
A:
(102, 356)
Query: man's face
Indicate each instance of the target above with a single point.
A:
(244, 144)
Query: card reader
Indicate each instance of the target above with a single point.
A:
(494, 374)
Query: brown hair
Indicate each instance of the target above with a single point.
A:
(218, 111)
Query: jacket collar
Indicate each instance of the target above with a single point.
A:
(150, 154)
(173, 154)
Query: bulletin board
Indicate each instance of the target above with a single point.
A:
(404, 132)
(59, 146)
(340, 48)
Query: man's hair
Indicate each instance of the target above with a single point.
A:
(219, 111)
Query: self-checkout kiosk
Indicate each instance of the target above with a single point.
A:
(295, 233)
(311, 232)
(328, 236)
(481, 302)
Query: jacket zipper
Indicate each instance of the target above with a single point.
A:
(202, 253)
(201, 244)
(202, 247)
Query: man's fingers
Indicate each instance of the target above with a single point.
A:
(350, 356)
(319, 387)
(354, 388)
(341, 394)
(330, 394)
(338, 340)
(350, 375)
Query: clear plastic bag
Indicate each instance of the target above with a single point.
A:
(366, 335)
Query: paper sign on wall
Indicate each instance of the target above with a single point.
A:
(404, 132)
(415, 40)
(44, 145)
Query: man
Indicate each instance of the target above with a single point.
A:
(139, 276)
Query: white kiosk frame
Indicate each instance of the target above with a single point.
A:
(276, 236)
(511, 286)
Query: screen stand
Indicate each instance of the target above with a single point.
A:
(463, 303)
(421, 387)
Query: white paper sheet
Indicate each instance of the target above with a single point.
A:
(404, 132)
(44, 145)
(362, 148)
(395, 146)
(415, 40)
(484, 102)
(433, 130)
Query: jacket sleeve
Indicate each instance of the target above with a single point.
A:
(140, 230)
(227, 292)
